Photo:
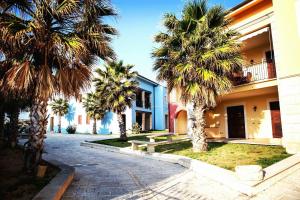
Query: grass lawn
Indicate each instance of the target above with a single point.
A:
(117, 143)
(229, 155)
(224, 155)
(156, 131)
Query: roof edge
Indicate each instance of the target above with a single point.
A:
(239, 5)
(147, 79)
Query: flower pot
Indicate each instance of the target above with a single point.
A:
(41, 171)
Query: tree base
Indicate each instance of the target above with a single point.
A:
(200, 148)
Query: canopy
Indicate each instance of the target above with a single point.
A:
(251, 35)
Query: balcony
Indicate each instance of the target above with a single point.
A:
(255, 72)
(143, 99)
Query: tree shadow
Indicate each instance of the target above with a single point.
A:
(105, 123)
(71, 113)
(268, 161)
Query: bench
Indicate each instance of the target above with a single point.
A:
(150, 145)
(153, 136)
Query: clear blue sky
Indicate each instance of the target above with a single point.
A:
(138, 22)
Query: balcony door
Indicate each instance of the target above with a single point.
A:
(270, 64)
(276, 119)
(236, 122)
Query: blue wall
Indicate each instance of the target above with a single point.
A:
(159, 107)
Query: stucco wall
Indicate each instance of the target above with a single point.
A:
(256, 54)
(181, 123)
(258, 123)
(286, 37)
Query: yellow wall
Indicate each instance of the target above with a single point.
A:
(286, 41)
(251, 11)
(181, 123)
(287, 37)
(258, 124)
(256, 54)
(247, 14)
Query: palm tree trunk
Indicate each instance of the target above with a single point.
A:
(95, 126)
(2, 116)
(123, 136)
(59, 123)
(34, 147)
(198, 121)
(14, 123)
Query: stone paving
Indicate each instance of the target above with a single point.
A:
(286, 189)
(106, 175)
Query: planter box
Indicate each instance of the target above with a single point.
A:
(252, 173)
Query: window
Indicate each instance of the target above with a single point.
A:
(147, 100)
(139, 118)
(139, 98)
(87, 119)
(166, 122)
(79, 119)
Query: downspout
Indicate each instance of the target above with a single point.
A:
(154, 107)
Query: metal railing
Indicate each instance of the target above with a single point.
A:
(255, 72)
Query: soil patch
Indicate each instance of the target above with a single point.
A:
(14, 182)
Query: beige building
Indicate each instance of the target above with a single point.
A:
(265, 101)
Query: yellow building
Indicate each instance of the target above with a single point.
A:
(265, 101)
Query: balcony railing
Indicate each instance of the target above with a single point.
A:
(256, 72)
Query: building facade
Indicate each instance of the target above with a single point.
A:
(150, 111)
(265, 99)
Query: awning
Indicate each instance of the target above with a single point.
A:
(251, 35)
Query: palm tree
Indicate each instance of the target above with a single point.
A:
(11, 101)
(95, 107)
(2, 116)
(197, 54)
(60, 40)
(117, 84)
(60, 107)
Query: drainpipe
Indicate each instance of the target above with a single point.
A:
(154, 112)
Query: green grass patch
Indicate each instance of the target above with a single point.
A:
(229, 155)
(117, 143)
(156, 131)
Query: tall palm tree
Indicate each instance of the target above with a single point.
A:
(117, 84)
(197, 54)
(95, 107)
(61, 40)
(60, 107)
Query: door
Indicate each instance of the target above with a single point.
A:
(270, 64)
(52, 124)
(236, 122)
(276, 119)
(166, 122)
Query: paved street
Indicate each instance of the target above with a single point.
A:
(107, 175)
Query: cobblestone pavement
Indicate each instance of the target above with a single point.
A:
(107, 175)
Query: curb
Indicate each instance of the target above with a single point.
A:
(55, 189)
(273, 173)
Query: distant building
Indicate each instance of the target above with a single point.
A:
(150, 111)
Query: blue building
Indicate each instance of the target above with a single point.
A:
(150, 111)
